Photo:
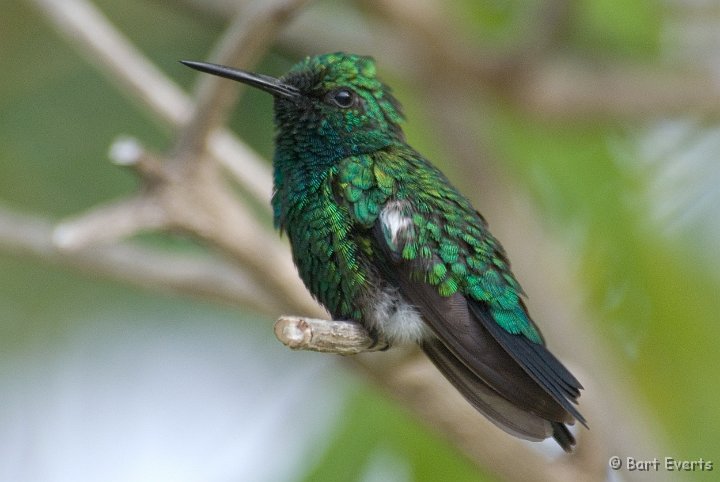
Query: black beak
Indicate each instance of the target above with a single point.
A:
(264, 82)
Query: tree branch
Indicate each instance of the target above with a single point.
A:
(326, 336)
(197, 276)
(197, 202)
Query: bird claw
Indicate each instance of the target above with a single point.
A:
(377, 340)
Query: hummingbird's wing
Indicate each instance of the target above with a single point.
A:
(515, 381)
(437, 250)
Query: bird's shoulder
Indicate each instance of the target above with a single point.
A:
(367, 182)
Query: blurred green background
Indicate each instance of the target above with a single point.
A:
(93, 369)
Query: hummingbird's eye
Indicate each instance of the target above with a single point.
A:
(342, 98)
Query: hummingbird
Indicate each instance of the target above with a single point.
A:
(381, 237)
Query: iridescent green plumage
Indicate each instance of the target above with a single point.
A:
(336, 190)
(380, 236)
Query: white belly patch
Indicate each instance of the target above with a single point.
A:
(395, 319)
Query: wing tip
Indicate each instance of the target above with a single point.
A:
(538, 362)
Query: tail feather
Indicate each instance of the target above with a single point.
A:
(507, 416)
(563, 437)
(536, 360)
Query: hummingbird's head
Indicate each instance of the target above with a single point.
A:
(330, 105)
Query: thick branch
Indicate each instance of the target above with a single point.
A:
(201, 276)
(197, 202)
(569, 90)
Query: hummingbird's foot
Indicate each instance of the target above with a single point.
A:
(377, 340)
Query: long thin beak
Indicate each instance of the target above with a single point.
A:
(264, 82)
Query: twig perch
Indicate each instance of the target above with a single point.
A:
(327, 336)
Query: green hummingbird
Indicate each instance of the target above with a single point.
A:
(380, 236)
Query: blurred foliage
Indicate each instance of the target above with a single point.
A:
(655, 299)
(611, 28)
(601, 28)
